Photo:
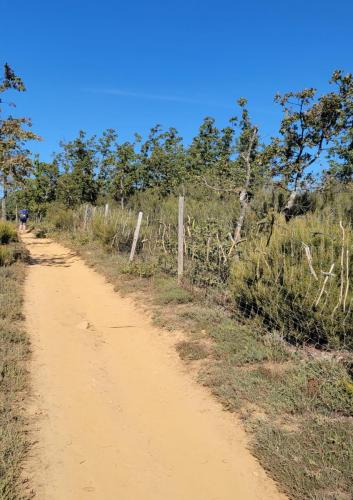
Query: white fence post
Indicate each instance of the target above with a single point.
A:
(136, 235)
(181, 238)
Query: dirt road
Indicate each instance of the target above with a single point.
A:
(118, 416)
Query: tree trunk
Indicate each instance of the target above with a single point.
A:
(244, 201)
(122, 193)
(244, 192)
(3, 201)
(288, 209)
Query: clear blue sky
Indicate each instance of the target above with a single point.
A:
(129, 65)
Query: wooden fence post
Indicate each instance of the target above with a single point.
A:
(181, 238)
(136, 235)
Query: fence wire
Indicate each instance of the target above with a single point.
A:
(295, 278)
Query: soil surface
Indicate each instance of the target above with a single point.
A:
(117, 414)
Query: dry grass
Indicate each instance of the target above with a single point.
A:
(191, 351)
(14, 352)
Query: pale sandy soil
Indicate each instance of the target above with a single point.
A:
(116, 415)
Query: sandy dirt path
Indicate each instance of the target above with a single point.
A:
(118, 416)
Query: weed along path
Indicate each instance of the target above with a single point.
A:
(117, 416)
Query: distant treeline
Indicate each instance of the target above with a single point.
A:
(229, 160)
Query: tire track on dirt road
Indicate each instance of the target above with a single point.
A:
(117, 415)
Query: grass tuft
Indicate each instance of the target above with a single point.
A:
(191, 351)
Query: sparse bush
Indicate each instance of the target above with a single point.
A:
(6, 256)
(11, 253)
(286, 279)
(103, 231)
(8, 233)
(61, 218)
(116, 232)
(141, 268)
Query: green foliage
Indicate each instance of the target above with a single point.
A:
(61, 218)
(6, 256)
(77, 162)
(11, 253)
(274, 279)
(162, 160)
(307, 126)
(116, 232)
(341, 151)
(15, 162)
(140, 268)
(8, 233)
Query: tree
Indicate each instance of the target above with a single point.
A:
(247, 165)
(40, 188)
(15, 162)
(125, 176)
(308, 125)
(162, 160)
(242, 174)
(118, 175)
(106, 145)
(205, 149)
(341, 152)
(77, 165)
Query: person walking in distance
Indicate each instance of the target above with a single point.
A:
(23, 219)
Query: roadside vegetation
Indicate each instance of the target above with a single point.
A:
(296, 401)
(14, 352)
(266, 299)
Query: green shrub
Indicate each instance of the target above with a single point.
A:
(104, 232)
(273, 278)
(115, 232)
(6, 256)
(8, 233)
(12, 253)
(60, 218)
(141, 268)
